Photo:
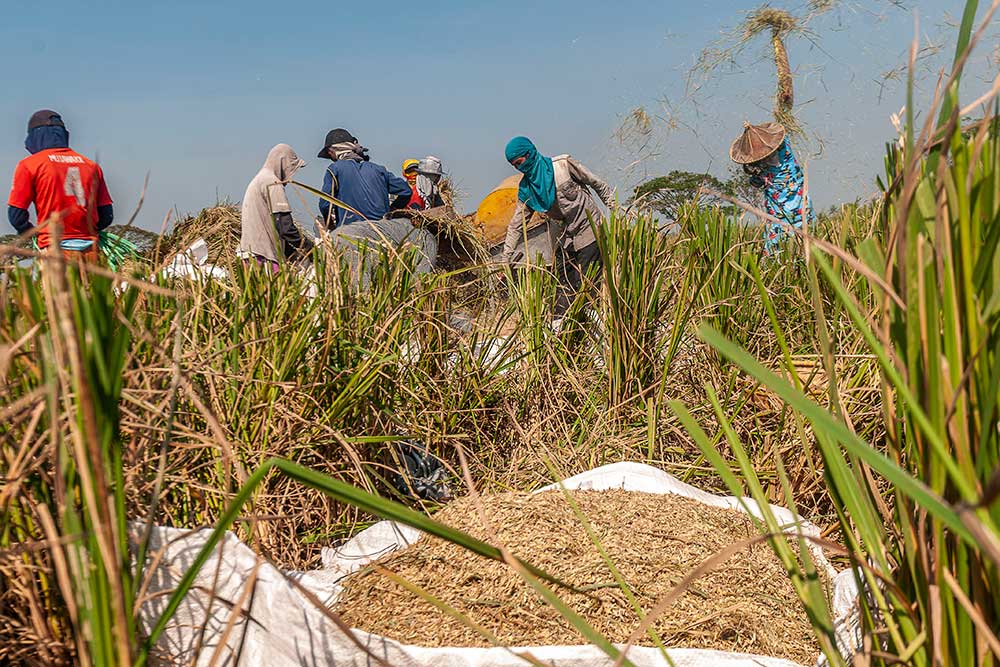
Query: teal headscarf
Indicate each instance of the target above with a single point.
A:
(538, 185)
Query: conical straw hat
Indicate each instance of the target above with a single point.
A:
(756, 142)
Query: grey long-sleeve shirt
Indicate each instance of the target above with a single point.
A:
(573, 203)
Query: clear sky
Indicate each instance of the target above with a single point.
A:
(196, 93)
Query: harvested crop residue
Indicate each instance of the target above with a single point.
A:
(746, 605)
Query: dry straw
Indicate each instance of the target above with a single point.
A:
(653, 540)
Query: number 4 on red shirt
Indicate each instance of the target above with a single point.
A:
(66, 189)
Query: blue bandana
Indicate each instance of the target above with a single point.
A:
(538, 185)
(46, 137)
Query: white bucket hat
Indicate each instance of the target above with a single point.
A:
(430, 166)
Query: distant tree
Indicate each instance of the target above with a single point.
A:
(666, 194)
(738, 186)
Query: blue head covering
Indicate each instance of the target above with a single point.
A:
(538, 185)
(46, 136)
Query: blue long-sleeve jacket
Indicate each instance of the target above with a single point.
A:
(364, 186)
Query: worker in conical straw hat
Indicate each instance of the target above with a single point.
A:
(768, 160)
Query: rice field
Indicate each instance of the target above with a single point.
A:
(854, 379)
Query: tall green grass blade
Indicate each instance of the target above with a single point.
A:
(905, 483)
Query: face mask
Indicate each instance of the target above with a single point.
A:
(525, 166)
(45, 137)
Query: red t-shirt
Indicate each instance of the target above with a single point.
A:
(416, 201)
(65, 187)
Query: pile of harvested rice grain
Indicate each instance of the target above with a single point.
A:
(747, 605)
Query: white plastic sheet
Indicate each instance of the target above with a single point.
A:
(192, 263)
(259, 616)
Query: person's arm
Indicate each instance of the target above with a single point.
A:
(105, 210)
(515, 231)
(18, 218)
(330, 188)
(105, 216)
(294, 244)
(398, 186)
(586, 177)
(22, 193)
(399, 203)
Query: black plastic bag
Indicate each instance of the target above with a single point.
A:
(418, 474)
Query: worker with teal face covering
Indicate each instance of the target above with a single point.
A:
(559, 188)
(538, 185)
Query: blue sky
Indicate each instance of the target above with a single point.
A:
(196, 93)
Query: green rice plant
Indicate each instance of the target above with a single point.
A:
(722, 253)
(306, 368)
(721, 249)
(644, 314)
(533, 291)
(63, 462)
(917, 510)
(244, 345)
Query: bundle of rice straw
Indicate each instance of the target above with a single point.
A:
(460, 239)
(218, 225)
(117, 250)
(780, 24)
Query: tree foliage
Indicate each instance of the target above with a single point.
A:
(666, 194)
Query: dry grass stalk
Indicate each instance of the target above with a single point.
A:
(240, 403)
(218, 225)
(460, 239)
(780, 24)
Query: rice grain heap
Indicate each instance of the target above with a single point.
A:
(747, 605)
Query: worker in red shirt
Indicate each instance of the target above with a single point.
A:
(66, 188)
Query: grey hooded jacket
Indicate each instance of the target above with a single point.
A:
(569, 224)
(264, 200)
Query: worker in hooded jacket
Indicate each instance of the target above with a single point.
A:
(559, 188)
(268, 233)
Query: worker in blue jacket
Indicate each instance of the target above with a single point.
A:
(354, 180)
